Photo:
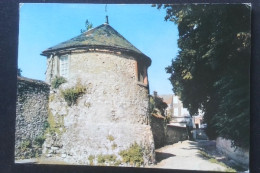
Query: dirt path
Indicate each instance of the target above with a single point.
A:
(185, 155)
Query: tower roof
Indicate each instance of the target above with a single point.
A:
(102, 37)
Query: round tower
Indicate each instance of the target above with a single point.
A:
(110, 115)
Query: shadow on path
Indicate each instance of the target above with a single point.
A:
(161, 156)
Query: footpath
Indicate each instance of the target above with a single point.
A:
(192, 155)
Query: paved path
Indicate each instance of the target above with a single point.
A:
(184, 155)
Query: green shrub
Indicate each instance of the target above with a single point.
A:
(91, 159)
(101, 158)
(117, 163)
(133, 155)
(30, 151)
(72, 94)
(57, 81)
(26, 145)
(39, 140)
(46, 125)
(108, 158)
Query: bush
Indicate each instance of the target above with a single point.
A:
(72, 94)
(91, 159)
(101, 159)
(46, 125)
(26, 145)
(109, 158)
(133, 155)
(39, 140)
(57, 81)
(31, 151)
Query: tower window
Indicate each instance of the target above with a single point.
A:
(64, 66)
(142, 73)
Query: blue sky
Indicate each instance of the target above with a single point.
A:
(45, 25)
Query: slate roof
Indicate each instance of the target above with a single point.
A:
(103, 36)
(167, 98)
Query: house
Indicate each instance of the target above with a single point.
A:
(168, 100)
(113, 113)
(197, 120)
(179, 115)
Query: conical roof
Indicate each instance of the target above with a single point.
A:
(103, 36)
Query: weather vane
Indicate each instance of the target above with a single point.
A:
(106, 15)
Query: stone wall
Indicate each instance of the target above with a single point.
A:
(31, 116)
(175, 134)
(239, 155)
(110, 117)
(158, 128)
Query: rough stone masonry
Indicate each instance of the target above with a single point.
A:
(112, 115)
(108, 118)
(31, 115)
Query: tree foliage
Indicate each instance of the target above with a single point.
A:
(19, 72)
(157, 103)
(211, 71)
(88, 26)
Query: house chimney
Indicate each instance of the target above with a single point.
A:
(155, 93)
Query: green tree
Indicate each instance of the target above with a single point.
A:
(211, 70)
(19, 72)
(157, 103)
(88, 26)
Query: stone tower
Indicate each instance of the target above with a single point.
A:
(112, 114)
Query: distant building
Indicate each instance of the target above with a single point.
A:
(168, 100)
(197, 120)
(179, 115)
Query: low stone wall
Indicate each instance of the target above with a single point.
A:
(31, 117)
(158, 129)
(239, 155)
(175, 134)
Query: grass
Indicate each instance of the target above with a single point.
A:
(91, 159)
(28, 150)
(39, 140)
(213, 160)
(108, 158)
(71, 95)
(55, 126)
(133, 155)
(27, 144)
(57, 81)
